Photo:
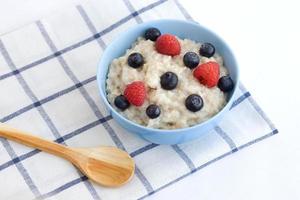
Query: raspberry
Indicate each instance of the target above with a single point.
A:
(167, 44)
(208, 74)
(135, 93)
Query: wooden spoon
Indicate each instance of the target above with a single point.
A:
(107, 166)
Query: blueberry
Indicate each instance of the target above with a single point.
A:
(135, 60)
(225, 83)
(207, 50)
(194, 103)
(168, 81)
(121, 102)
(152, 34)
(191, 60)
(153, 111)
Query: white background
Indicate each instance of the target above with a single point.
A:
(265, 36)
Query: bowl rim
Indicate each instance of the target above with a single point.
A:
(103, 94)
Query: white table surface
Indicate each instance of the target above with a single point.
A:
(265, 36)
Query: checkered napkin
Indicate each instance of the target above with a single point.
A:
(48, 87)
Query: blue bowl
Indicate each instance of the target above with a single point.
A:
(182, 29)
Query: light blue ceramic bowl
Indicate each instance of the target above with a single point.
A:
(182, 29)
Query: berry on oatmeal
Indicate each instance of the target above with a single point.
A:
(121, 102)
(207, 50)
(225, 84)
(208, 74)
(153, 111)
(168, 81)
(135, 93)
(152, 34)
(168, 44)
(191, 60)
(135, 60)
(194, 103)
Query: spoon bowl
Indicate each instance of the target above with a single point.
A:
(107, 166)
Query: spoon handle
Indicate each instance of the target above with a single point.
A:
(36, 142)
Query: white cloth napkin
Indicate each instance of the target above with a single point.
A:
(48, 87)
